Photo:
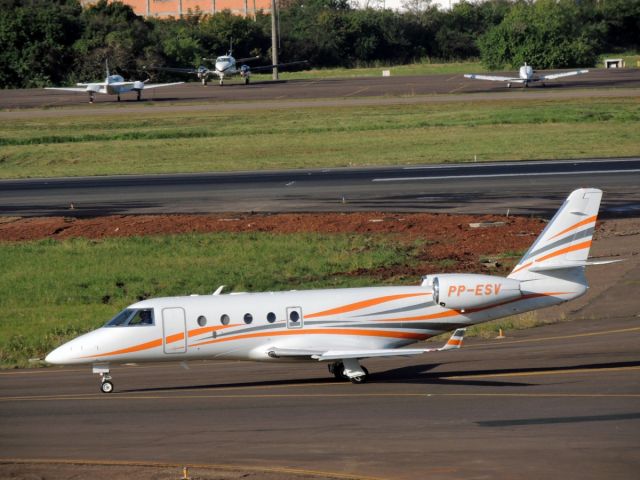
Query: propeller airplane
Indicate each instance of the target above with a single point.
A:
(113, 85)
(526, 75)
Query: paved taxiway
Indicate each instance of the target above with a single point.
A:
(343, 89)
(520, 187)
(561, 401)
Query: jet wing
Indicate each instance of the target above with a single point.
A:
(492, 78)
(553, 76)
(454, 342)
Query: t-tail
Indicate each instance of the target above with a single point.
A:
(560, 253)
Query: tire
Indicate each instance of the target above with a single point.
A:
(106, 387)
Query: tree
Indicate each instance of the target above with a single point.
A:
(35, 41)
(546, 34)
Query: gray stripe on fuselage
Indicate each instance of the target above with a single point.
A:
(430, 303)
(436, 327)
(584, 234)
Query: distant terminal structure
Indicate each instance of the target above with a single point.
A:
(178, 8)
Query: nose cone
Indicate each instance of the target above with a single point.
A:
(59, 356)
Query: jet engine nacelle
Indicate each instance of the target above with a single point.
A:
(462, 291)
(138, 85)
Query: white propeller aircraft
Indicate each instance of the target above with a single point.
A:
(113, 85)
(526, 75)
(225, 67)
(343, 326)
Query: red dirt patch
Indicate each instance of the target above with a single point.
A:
(446, 237)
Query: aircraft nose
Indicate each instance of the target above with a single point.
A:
(56, 357)
(59, 356)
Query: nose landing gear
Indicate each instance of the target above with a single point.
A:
(106, 385)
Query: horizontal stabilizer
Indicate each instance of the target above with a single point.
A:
(568, 264)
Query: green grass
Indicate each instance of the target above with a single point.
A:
(318, 137)
(425, 67)
(51, 291)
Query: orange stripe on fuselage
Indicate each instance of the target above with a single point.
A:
(174, 338)
(135, 348)
(364, 304)
(586, 221)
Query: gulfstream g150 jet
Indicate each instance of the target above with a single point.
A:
(340, 327)
(113, 85)
(526, 75)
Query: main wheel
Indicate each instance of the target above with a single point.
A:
(337, 370)
(106, 387)
(246, 80)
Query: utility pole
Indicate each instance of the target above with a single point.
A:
(274, 38)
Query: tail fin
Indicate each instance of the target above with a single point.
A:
(566, 240)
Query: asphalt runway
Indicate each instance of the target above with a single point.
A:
(347, 88)
(561, 401)
(518, 187)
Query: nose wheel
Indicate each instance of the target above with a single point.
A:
(106, 385)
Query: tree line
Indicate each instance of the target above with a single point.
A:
(46, 42)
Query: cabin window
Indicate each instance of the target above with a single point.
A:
(248, 318)
(271, 317)
(224, 319)
(202, 320)
(294, 316)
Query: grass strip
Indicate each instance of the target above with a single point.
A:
(317, 137)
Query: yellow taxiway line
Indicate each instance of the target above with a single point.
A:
(203, 466)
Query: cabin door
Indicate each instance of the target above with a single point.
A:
(294, 317)
(174, 330)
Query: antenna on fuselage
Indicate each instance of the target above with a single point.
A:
(218, 290)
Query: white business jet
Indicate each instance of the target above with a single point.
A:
(526, 75)
(113, 85)
(341, 327)
(226, 67)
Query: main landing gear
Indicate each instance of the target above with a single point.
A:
(106, 385)
(349, 369)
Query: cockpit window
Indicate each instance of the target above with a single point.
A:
(142, 317)
(132, 317)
